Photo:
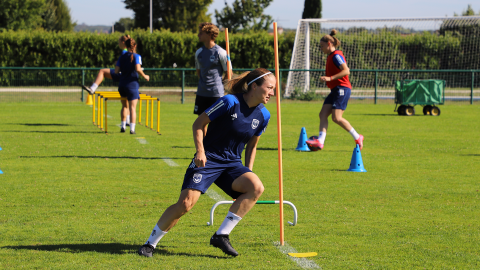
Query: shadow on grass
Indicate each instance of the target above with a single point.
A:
(110, 248)
(103, 157)
(182, 146)
(41, 124)
(377, 114)
(271, 149)
(471, 155)
(51, 131)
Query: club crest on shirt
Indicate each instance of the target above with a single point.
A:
(197, 178)
(212, 58)
(234, 116)
(255, 123)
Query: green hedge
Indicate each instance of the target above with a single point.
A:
(160, 49)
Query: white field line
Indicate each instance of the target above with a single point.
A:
(214, 195)
(141, 140)
(170, 162)
(304, 263)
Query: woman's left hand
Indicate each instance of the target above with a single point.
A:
(325, 79)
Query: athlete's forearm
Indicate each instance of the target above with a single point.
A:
(198, 139)
(341, 74)
(140, 71)
(250, 153)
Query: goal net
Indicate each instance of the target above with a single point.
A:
(408, 48)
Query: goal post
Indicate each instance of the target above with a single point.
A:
(396, 44)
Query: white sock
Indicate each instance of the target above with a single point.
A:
(132, 126)
(124, 124)
(321, 137)
(229, 223)
(128, 119)
(155, 237)
(94, 87)
(354, 134)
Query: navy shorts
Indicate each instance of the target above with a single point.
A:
(115, 76)
(129, 93)
(219, 172)
(338, 97)
(203, 103)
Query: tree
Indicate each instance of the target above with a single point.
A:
(124, 24)
(468, 12)
(312, 9)
(176, 15)
(21, 14)
(56, 16)
(245, 15)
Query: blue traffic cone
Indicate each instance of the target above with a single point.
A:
(356, 165)
(1, 172)
(302, 141)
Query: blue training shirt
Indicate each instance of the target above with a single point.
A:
(211, 63)
(129, 75)
(233, 124)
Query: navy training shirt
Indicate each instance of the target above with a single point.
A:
(233, 124)
(129, 75)
(211, 63)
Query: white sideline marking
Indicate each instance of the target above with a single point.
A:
(141, 140)
(170, 162)
(302, 262)
(109, 116)
(214, 195)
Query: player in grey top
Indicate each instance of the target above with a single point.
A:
(211, 63)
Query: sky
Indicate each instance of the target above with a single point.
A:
(288, 12)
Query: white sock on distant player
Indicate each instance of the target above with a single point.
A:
(321, 137)
(124, 124)
(132, 126)
(94, 87)
(354, 134)
(229, 223)
(128, 119)
(155, 237)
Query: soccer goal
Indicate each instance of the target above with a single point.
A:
(382, 51)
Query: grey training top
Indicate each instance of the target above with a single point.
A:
(211, 63)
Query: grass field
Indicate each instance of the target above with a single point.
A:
(72, 197)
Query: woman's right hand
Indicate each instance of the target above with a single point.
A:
(147, 77)
(200, 159)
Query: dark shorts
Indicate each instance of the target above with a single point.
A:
(115, 77)
(338, 97)
(129, 93)
(203, 103)
(219, 172)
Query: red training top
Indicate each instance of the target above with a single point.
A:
(331, 69)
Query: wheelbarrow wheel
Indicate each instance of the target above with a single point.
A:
(427, 109)
(435, 111)
(401, 110)
(409, 111)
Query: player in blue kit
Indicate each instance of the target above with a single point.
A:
(235, 120)
(130, 65)
(211, 62)
(109, 73)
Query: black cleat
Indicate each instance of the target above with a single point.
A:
(122, 130)
(146, 250)
(88, 89)
(132, 132)
(128, 124)
(223, 242)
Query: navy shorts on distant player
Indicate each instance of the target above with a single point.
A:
(215, 171)
(115, 76)
(129, 93)
(203, 103)
(338, 97)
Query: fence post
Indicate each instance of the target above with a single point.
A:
(471, 87)
(376, 85)
(183, 86)
(83, 81)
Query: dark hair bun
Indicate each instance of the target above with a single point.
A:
(334, 32)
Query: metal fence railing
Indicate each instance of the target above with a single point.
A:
(18, 84)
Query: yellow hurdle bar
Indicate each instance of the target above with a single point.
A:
(106, 120)
(93, 109)
(146, 115)
(140, 112)
(158, 116)
(102, 95)
(151, 115)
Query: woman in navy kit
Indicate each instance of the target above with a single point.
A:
(130, 65)
(336, 102)
(234, 120)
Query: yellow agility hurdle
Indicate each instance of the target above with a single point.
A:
(151, 112)
(99, 104)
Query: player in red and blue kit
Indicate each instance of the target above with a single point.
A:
(335, 104)
(235, 120)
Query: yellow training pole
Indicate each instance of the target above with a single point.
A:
(93, 109)
(98, 111)
(101, 110)
(140, 112)
(146, 114)
(106, 121)
(151, 114)
(227, 48)
(279, 131)
(158, 115)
